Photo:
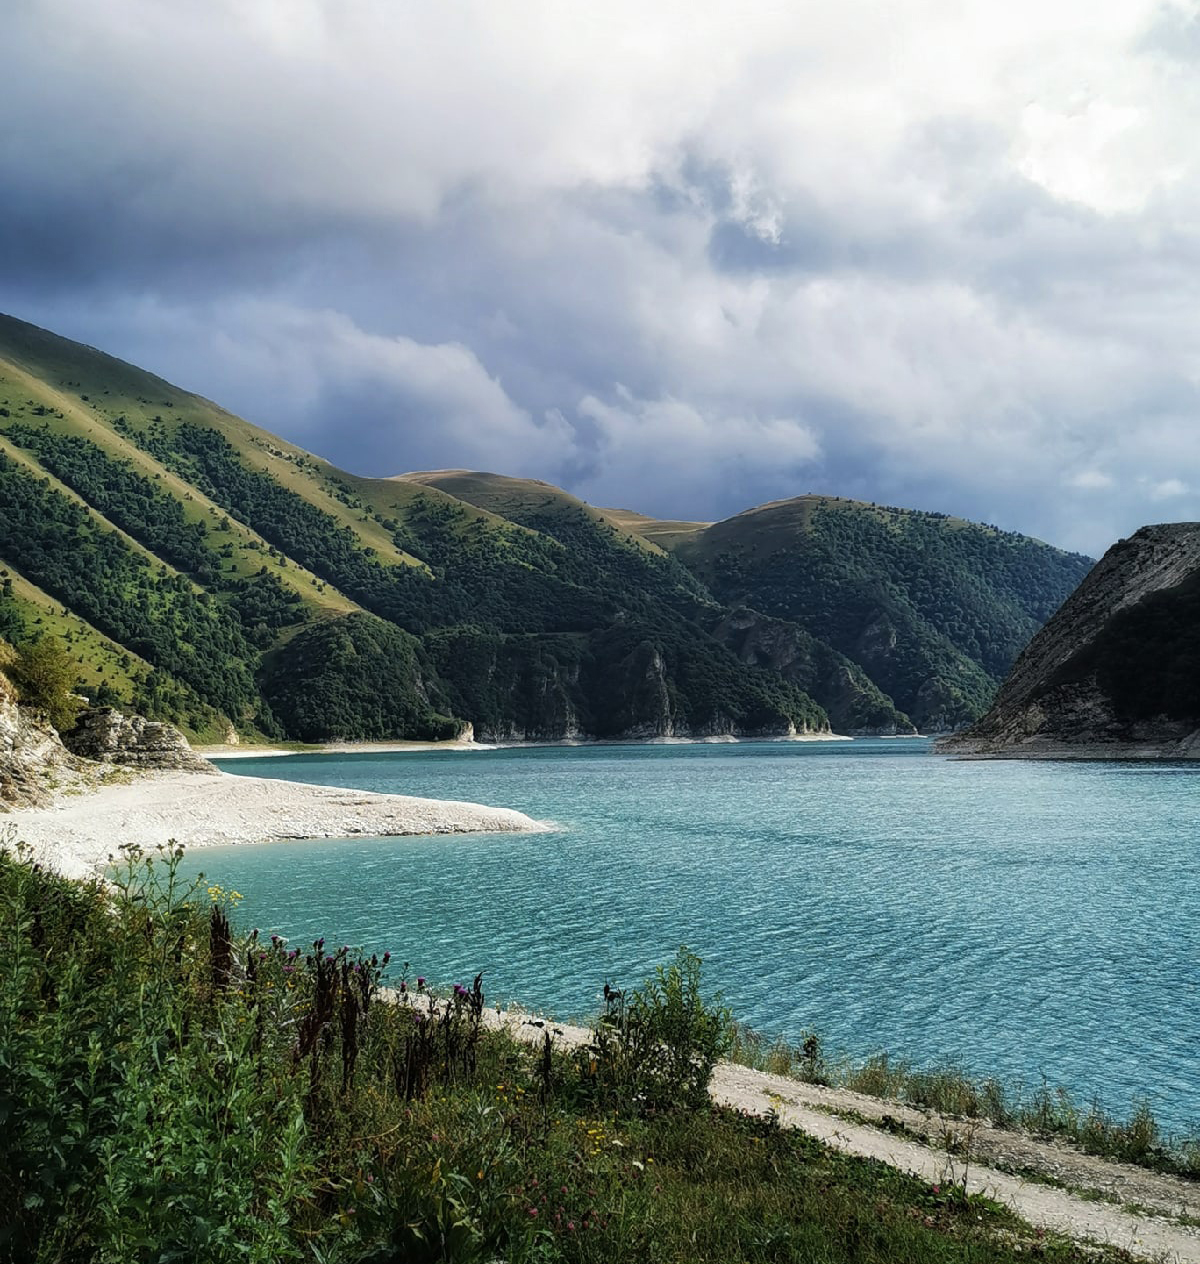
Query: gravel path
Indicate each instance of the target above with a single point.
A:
(960, 1151)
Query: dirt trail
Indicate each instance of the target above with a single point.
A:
(963, 1151)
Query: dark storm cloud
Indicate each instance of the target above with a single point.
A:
(956, 271)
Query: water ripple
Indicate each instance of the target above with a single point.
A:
(1026, 919)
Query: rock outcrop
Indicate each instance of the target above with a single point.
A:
(107, 735)
(32, 759)
(1115, 674)
(855, 705)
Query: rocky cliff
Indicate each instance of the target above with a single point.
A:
(35, 761)
(1113, 675)
(32, 759)
(109, 736)
(855, 705)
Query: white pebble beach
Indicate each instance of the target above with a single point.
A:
(78, 832)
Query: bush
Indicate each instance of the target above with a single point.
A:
(656, 1048)
(44, 674)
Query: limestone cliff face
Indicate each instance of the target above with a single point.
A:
(856, 706)
(109, 736)
(35, 761)
(32, 758)
(534, 697)
(1113, 674)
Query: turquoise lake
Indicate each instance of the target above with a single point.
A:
(1025, 919)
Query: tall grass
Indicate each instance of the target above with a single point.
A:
(1044, 1112)
(174, 1089)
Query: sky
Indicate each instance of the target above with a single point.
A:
(678, 257)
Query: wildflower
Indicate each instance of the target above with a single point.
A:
(403, 985)
(387, 956)
(533, 1211)
(420, 978)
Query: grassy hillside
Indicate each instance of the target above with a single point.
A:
(935, 609)
(215, 564)
(220, 554)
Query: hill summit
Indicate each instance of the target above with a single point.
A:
(206, 572)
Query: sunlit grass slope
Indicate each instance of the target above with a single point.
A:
(220, 553)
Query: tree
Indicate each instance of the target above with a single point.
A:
(44, 675)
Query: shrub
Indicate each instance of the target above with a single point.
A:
(44, 674)
(656, 1047)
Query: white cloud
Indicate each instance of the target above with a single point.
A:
(1090, 480)
(953, 263)
(1168, 489)
(668, 452)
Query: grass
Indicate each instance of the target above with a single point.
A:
(73, 409)
(172, 1089)
(97, 657)
(1045, 1112)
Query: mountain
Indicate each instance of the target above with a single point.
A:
(206, 572)
(933, 608)
(1114, 674)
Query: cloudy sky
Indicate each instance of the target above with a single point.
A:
(682, 257)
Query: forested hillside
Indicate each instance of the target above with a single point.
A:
(207, 572)
(933, 608)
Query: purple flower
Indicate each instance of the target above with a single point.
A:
(387, 956)
(403, 986)
(420, 983)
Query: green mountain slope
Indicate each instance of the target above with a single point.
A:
(223, 556)
(213, 574)
(617, 543)
(934, 609)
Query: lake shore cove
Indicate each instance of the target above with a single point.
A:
(198, 1091)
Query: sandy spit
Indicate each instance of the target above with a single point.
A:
(78, 833)
(336, 748)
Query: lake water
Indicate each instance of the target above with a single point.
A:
(1025, 919)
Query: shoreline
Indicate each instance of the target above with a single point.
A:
(77, 833)
(239, 751)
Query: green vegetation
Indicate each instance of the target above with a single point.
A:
(1044, 1112)
(176, 1089)
(152, 610)
(44, 674)
(933, 608)
(202, 559)
(159, 522)
(353, 677)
